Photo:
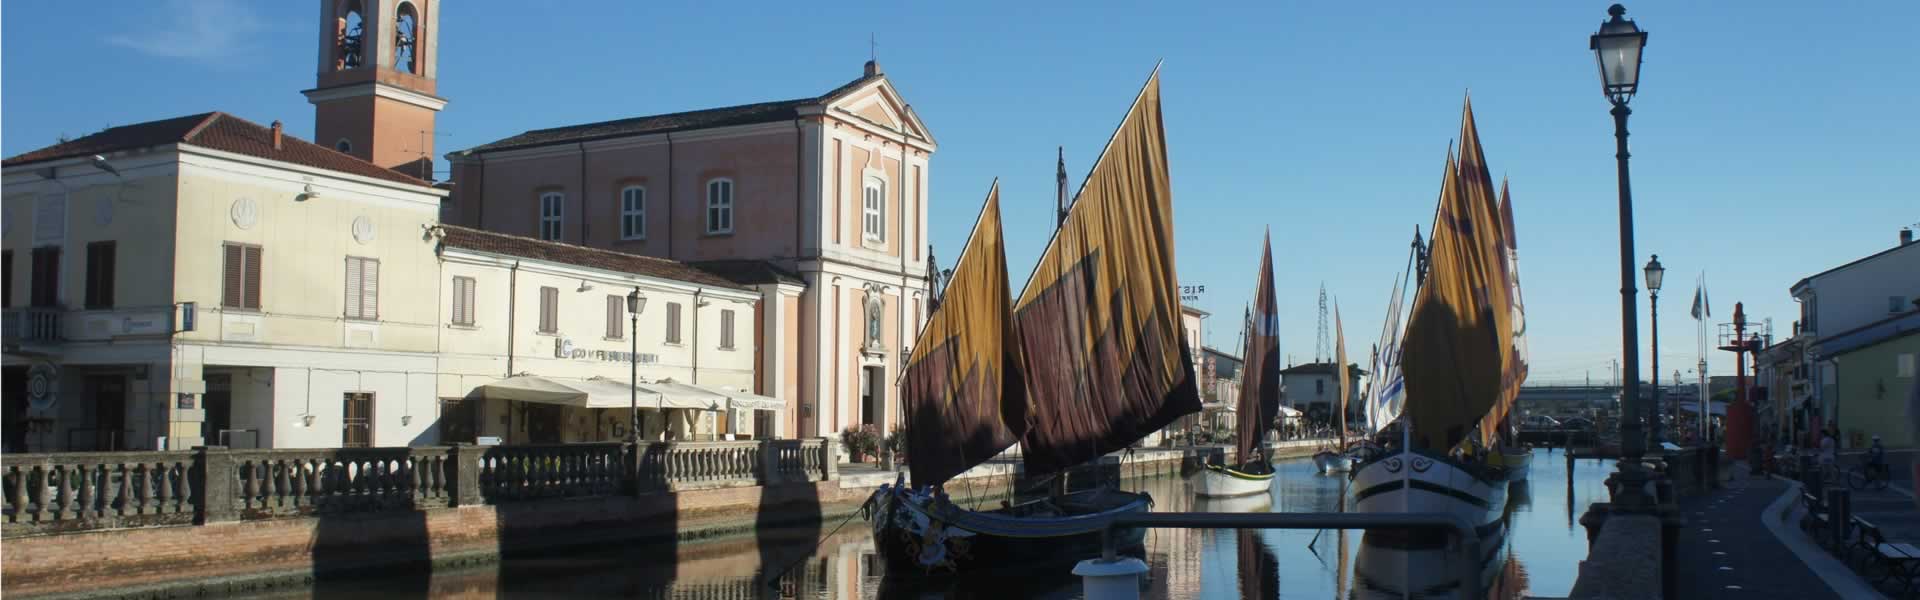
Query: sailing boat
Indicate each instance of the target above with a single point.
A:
(1337, 460)
(1101, 308)
(1455, 359)
(1259, 397)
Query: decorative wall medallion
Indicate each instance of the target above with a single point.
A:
(362, 229)
(244, 213)
(103, 211)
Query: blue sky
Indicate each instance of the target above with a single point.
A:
(1772, 140)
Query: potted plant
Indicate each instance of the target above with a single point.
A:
(893, 448)
(859, 442)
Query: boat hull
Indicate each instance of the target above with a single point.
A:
(1332, 462)
(917, 535)
(1253, 503)
(1386, 568)
(1476, 495)
(1226, 482)
(1518, 462)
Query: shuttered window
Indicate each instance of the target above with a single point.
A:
(549, 310)
(633, 213)
(363, 288)
(463, 300)
(615, 306)
(6, 279)
(100, 258)
(356, 423)
(45, 290)
(240, 277)
(551, 204)
(673, 322)
(726, 330)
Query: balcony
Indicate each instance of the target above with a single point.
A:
(31, 326)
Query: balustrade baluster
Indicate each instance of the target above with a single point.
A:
(15, 482)
(123, 490)
(88, 491)
(62, 491)
(163, 475)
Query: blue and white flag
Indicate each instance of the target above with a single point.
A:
(1387, 395)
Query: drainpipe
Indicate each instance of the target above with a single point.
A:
(799, 184)
(583, 193)
(513, 286)
(696, 334)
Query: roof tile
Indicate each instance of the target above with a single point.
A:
(214, 131)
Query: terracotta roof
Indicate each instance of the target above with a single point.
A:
(526, 247)
(750, 272)
(745, 114)
(214, 131)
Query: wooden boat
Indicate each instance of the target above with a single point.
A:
(1223, 481)
(969, 391)
(1518, 461)
(1462, 359)
(1259, 396)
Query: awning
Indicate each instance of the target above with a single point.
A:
(745, 400)
(597, 393)
(673, 394)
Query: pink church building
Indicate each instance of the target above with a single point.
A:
(820, 203)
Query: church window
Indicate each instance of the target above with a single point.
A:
(550, 206)
(873, 223)
(720, 206)
(633, 213)
(348, 36)
(406, 39)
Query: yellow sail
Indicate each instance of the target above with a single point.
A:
(1458, 337)
(964, 365)
(1099, 321)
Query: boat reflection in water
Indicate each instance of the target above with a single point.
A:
(1398, 566)
(1236, 504)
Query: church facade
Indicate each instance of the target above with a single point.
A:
(821, 202)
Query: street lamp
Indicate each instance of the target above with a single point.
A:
(1655, 273)
(1617, 49)
(636, 302)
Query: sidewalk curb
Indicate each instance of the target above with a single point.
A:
(1837, 575)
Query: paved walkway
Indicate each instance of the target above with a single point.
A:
(1734, 545)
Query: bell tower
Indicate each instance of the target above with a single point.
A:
(373, 95)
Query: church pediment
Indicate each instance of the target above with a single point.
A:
(879, 105)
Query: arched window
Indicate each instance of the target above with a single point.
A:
(873, 210)
(406, 39)
(348, 35)
(633, 213)
(550, 207)
(344, 146)
(720, 205)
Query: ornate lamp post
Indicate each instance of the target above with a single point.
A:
(1617, 49)
(1655, 273)
(636, 302)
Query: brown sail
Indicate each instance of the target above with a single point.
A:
(1457, 336)
(1099, 320)
(1514, 373)
(963, 365)
(1476, 186)
(1260, 386)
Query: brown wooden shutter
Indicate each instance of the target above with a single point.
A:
(232, 278)
(46, 277)
(6, 279)
(726, 329)
(100, 275)
(369, 288)
(109, 259)
(353, 293)
(251, 294)
(673, 322)
(549, 309)
(613, 316)
(467, 302)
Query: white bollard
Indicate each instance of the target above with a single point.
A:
(1117, 579)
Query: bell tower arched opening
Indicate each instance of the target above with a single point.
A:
(374, 90)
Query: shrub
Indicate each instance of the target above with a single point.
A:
(859, 441)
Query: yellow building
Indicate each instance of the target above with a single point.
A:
(176, 273)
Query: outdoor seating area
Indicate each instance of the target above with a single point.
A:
(1876, 532)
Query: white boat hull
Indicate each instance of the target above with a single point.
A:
(1329, 462)
(1426, 484)
(1250, 503)
(1519, 463)
(1217, 482)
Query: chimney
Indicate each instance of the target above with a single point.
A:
(873, 68)
(276, 135)
(1906, 236)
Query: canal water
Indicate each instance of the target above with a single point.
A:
(1536, 556)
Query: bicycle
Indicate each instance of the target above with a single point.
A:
(1868, 476)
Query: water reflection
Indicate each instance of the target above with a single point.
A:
(1536, 554)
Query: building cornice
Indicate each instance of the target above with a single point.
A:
(377, 89)
(467, 256)
(286, 171)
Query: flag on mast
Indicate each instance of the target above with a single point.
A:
(1700, 307)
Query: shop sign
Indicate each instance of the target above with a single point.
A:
(564, 348)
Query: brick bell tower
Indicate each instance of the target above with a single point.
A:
(373, 96)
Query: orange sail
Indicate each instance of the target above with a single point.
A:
(1099, 321)
(964, 364)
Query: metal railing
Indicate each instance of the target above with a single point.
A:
(1462, 532)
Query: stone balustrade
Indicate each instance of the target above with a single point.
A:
(53, 493)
